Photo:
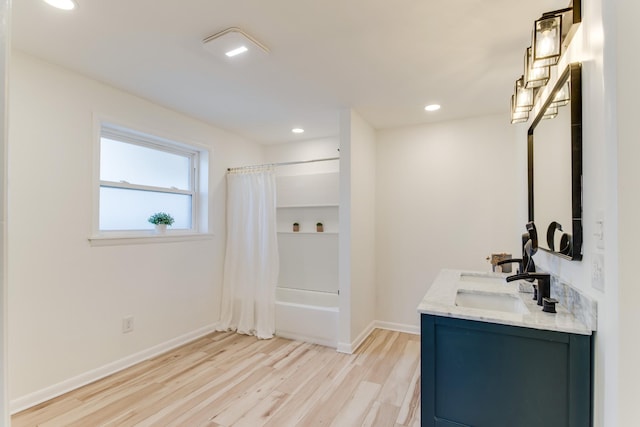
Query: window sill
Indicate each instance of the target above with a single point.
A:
(143, 239)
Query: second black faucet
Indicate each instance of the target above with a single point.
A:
(544, 283)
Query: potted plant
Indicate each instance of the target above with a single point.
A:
(319, 227)
(296, 227)
(161, 220)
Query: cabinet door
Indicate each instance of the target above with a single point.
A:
(486, 375)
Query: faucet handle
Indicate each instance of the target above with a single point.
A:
(549, 305)
(510, 261)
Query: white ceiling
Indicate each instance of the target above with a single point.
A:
(386, 59)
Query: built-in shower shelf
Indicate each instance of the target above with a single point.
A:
(308, 216)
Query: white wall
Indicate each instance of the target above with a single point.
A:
(304, 150)
(594, 45)
(363, 221)
(5, 45)
(448, 195)
(628, 180)
(67, 298)
(357, 230)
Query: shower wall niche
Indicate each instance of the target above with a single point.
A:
(308, 257)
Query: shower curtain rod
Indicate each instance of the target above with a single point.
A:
(282, 164)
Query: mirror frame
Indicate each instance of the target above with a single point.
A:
(574, 72)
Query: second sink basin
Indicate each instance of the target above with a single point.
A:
(482, 278)
(494, 301)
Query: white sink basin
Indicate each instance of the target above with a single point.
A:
(493, 301)
(481, 278)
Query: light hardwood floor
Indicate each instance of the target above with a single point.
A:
(227, 379)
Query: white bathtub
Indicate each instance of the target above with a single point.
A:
(308, 316)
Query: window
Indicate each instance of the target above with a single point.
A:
(141, 175)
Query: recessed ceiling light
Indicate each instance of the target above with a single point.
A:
(236, 51)
(63, 4)
(297, 130)
(432, 107)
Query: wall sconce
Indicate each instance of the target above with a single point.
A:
(521, 102)
(553, 31)
(547, 35)
(517, 116)
(551, 34)
(562, 97)
(551, 113)
(534, 77)
(523, 96)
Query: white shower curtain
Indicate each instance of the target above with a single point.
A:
(251, 260)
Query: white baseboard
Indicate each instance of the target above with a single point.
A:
(66, 386)
(344, 348)
(398, 327)
(349, 348)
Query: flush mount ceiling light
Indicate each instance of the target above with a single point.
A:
(432, 107)
(233, 43)
(62, 4)
(236, 51)
(297, 130)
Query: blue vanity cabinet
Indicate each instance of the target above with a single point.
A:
(489, 375)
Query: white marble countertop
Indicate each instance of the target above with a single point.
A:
(440, 300)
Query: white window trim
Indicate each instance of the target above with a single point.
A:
(199, 187)
(117, 240)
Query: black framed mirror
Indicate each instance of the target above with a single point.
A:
(555, 167)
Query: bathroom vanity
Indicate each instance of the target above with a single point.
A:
(492, 358)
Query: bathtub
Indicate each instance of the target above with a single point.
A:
(308, 316)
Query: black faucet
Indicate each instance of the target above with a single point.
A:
(544, 283)
(513, 260)
(529, 248)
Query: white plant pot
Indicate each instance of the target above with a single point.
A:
(161, 228)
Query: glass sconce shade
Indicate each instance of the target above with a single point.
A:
(534, 77)
(517, 116)
(523, 96)
(563, 96)
(547, 34)
(552, 112)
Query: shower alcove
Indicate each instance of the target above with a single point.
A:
(307, 292)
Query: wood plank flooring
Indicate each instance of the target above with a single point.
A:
(227, 379)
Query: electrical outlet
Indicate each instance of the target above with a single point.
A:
(127, 324)
(597, 272)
